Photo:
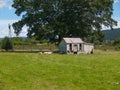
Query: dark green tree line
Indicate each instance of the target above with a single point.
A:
(76, 18)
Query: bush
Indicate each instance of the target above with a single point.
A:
(117, 42)
(7, 44)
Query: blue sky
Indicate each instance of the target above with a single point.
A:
(116, 12)
(8, 16)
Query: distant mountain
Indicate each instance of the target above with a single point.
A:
(24, 38)
(1, 39)
(111, 34)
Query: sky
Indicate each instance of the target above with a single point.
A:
(8, 16)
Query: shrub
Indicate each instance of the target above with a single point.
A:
(117, 42)
(7, 44)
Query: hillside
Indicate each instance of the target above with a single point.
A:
(111, 34)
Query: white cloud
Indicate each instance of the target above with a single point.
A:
(116, 1)
(118, 26)
(4, 30)
(6, 3)
(2, 3)
(10, 7)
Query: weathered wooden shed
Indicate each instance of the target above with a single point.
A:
(75, 46)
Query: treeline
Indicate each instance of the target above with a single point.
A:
(27, 44)
(109, 45)
(19, 43)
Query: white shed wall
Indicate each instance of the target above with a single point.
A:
(88, 48)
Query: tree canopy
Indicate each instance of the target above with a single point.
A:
(76, 18)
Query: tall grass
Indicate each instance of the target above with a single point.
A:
(31, 71)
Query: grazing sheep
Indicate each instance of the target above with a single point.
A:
(40, 52)
(47, 53)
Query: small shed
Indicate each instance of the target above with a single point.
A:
(75, 46)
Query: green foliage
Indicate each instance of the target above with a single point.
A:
(30, 44)
(117, 42)
(18, 41)
(96, 37)
(31, 71)
(22, 41)
(76, 18)
(7, 44)
(110, 45)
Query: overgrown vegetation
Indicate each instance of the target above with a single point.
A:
(31, 44)
(109, 45)
(31, 71)
(7, 44)
(26, 44)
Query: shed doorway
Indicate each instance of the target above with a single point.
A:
(75, 48)
(70, 47)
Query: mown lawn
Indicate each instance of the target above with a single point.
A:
(31, 71)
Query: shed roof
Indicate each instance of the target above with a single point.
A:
(73, 40)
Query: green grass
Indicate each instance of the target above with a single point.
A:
(31, 71)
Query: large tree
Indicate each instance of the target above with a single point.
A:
(76, 18)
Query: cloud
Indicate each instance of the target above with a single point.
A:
(10, 7)
(2, 3)
(6, 3)
(4, 30)
(118, 26)
(116, 1)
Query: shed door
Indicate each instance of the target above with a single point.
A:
(75, 48)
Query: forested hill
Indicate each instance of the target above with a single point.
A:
(111, 34)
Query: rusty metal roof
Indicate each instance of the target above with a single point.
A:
(73, 40)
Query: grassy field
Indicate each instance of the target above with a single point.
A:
(31, 71)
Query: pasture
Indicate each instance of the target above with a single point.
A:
(32, 71)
